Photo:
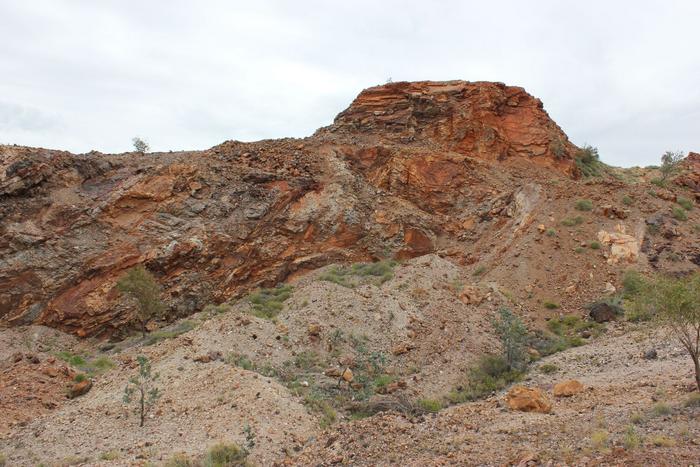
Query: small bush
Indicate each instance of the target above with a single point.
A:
(549, 368)
(551, 305)
(632, 283)
(267, 303)
(351, 276)
(588, 161)
(490, 374)
(662, 441)
(169, 332)
(627, 201)
(572, 221)
(595, 245)
(685, 203)
(693, 400)
(661, 183)
(551, 232)
(479, 270)
(678, 213)
(513, 335)
(660, 409)
(181, 460)
(631, 440)
(240, 361)
(599, 440)
(140, 145)
(80, 377)
(3, 460)
(109, 455)
(430, 405)
(225, 455)
(584, 205)
(637, 418)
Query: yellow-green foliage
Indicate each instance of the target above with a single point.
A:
(430, 405)
(267, 303)
(352, 276)
(225, 455)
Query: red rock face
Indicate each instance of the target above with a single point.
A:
(400, 173)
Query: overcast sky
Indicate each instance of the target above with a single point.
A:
(84, 74)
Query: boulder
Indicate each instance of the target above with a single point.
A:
(602, 312)
(80, 388)
(528, 400)
(567, 388)
(472, 295)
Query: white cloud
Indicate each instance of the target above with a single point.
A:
(83, 75)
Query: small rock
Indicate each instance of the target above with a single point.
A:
(567, 388)
(79, 389)
(528, 400)
(650, 354)
(347, 375)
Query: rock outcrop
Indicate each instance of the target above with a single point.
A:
(407, 169)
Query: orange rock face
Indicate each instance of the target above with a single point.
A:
(528, 400)
(404, 171)
(567, 388)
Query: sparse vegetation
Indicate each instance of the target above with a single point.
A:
(685, 203)
(637, 418)
(588, 161)
(430, 405)
(140, 145)
(549, 368)
(170, 332)
(594, 245)
(479, 270)
(693, 400)
(584, 205)
(513, 335)
(141, 286)
(662, 441)
(599, 440)
(631, 439)
(109, 455)
(670, 164)
(551, 232)
(490, 374)
(627, 200)
(675, 303)
(142, 390)
(572, 221)
(88, 366)
(679, 213)
(550, 305)
(660, 409)
(267, 303)
(225, 455)
(351, 276)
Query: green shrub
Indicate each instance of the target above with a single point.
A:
(572, 221)
(267, 303)
(551, 232)
(685, 203)
(549, 368)
(382, 381)
(513, 335)
(678, 213)
(595, 245)
(661, 183)
(631, 440)
(599, 440)
(91, 367)
(351, 276)
(670, 163)
(662, 441)
(141, 286)
(637, 418)
(693, 400)
(212, 309)
(240, 361)
(109, 455)
(627, 201)
(307, 360)
(660, 409)
(479, 270)
(80, 377)
(225, 455)
(181, 460)
(491, 373)
(170, 332)
(566, 330)
(632, 283)
(588, 161)
(584, 205)
(430, 405)
(550, 305)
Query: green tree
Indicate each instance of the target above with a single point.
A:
(670, 163)
(513, 335)
(142, 390)
(140, 145)
(675, 303)
(140, 285)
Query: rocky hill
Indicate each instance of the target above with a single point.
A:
(398, 232)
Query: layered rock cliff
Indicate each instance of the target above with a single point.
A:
(407, 169)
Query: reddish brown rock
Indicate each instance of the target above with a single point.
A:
(528, 400)
(567, 388)
(79, 389)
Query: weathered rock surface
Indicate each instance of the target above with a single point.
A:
(528, 400)
(567, 388)
(401, 172)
